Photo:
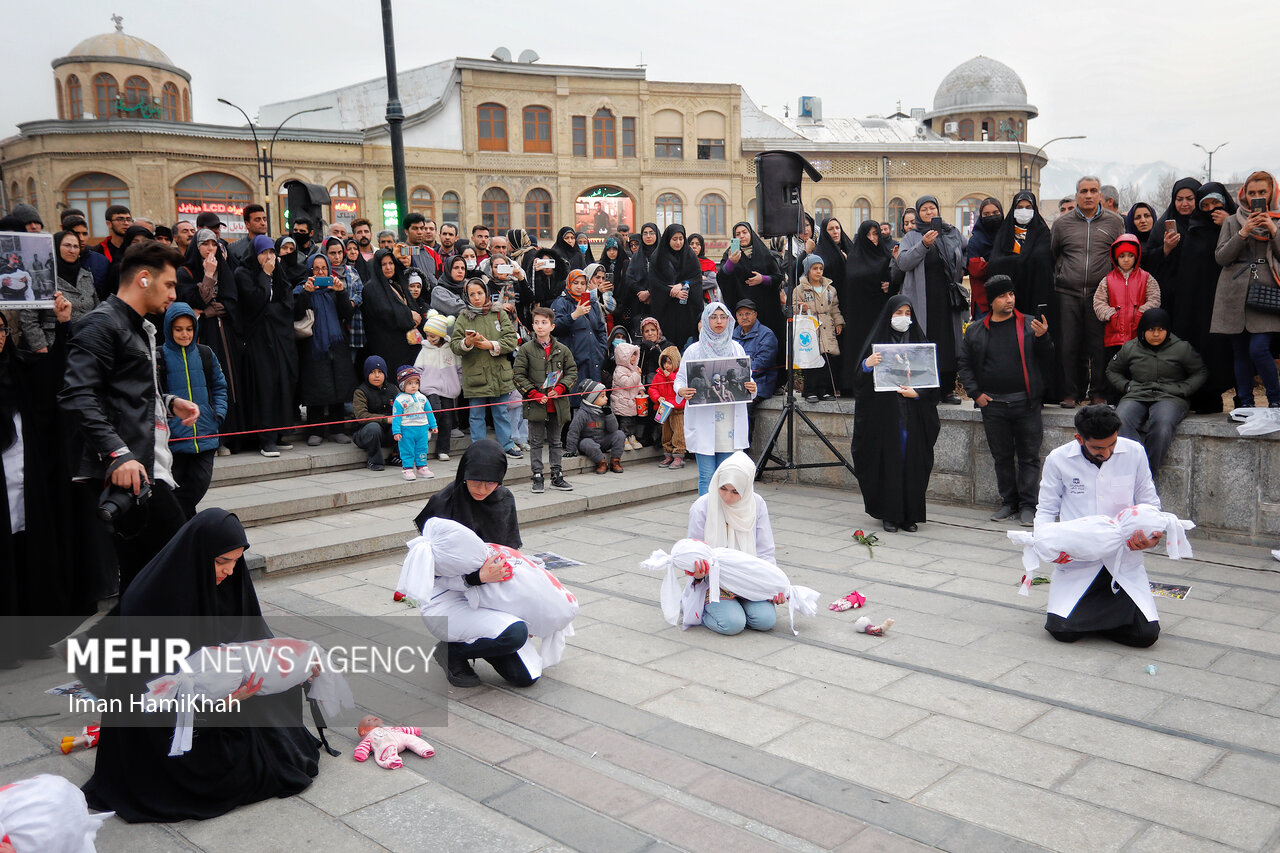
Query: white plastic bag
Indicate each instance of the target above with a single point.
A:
(1147, 519)
(533, 595)
(47, 813)
(217, 671)
(744, 575)
(1254, 421)
(804, 342)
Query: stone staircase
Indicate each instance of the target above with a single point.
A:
(313, 506)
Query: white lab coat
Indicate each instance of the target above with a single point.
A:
(700, 421)
(1071, 487)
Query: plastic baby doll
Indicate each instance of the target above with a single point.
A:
(385, 742)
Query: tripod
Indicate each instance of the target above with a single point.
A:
(789, 410)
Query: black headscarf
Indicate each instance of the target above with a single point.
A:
(833, 256)
(948, 236)
(521, 241)
(569, 254)
(667, 266)
(1152, 318)
(1131, 228)
(1171, 212)
(702, 243)
(868, 263)
(494, 518)
(68, 272)
(447, 280)
(649, 250)
(399, 282)
(983, 237)
(292, 267)
(883, 333)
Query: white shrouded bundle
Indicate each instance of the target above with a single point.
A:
(218, 671)
(745, 575)
(1101, 538)
(532, 594)
(49, 814)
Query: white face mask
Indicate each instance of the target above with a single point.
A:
(900, 323)
(470, 262)
(1023, 215)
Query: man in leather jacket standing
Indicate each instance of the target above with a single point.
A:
(112, 398)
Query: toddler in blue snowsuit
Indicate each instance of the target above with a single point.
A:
(412, 424)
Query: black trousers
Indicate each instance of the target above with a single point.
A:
(144, 530)
(193, 471)
(1014, 432)
(1080, 348)
(500, 652)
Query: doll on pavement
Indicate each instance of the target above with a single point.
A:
(385, 742)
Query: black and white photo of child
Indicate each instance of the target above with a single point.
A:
(719, 380)
(26, 274)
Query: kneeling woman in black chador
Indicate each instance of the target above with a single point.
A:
(893, 431)
(199, 582)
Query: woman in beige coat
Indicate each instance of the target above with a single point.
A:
(1248, 247)
(815, 295)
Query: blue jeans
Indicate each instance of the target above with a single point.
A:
(1160, 418)
(731, 615)
(707, 465)
(501, 426)
(1253, 355)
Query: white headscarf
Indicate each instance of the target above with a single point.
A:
(721, 344)
(733, 526)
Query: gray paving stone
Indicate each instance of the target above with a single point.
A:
(963, 701)
(345, 785)
(617, 679)
(1244, 665)
(831, 667)
(738, 758)
(624, 643)
(1247, 775)
(969, 663)
(723, 714)
(1161, 839)
(567, 822)
(1219, 722)
(1216, 815)
(838, 706)
(741, 678)
(17, 745)
(1103, 694)
(873, 840)
(431, 817)
(287, 824)
(115, 834)
(990, 749)
(1210, 686)
(1042, 817)
(696, 832)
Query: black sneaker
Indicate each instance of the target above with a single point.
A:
(457, 669)
(559, 482)
(376, 465)
(537, 484)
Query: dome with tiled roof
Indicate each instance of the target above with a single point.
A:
(120, 47)
(981, 84)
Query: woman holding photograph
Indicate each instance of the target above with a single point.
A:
(893, 431)
(713, 432)
(674, 284)
(932, 260)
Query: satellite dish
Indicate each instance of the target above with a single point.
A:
(501, 54)
(529, 57)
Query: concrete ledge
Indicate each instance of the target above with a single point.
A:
(1227, 483)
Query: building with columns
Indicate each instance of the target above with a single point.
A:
(510, 144)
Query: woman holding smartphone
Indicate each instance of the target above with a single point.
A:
(674, 283)
(749, 271)
(325, 374)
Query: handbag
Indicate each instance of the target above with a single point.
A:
(804, 343)
(302, 328)
(1262, 295)
(957, 297)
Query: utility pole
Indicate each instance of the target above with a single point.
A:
(1210, 153)
(395, 117)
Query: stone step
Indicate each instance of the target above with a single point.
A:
(327, 481)
(301, 544)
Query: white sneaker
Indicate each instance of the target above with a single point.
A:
(443, 457)
(270, 454)
(408, 474)
(425, 473)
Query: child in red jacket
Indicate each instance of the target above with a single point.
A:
(663, 388)
(1127, 292)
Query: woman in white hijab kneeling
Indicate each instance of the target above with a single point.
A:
(732, 515)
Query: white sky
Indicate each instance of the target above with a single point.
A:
(1142, 80)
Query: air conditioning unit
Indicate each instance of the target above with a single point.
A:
(811, 108)
(951, 128)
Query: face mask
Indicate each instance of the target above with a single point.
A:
(900, 323)
(471, 264)
(992, 222)
(300, 237)
(582, 248)
(1023, 215)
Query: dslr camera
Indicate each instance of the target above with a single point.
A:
(116, 503)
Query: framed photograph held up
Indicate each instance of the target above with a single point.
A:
(913, 365)
(27, 264)
(718, 380)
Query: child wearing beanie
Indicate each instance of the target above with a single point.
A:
(594, 432)
(412, 424)
(440, 370)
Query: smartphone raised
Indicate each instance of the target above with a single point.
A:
(1257, 205)
(1170, 226)
(323, 282)
(735, 245)
(1041, 309)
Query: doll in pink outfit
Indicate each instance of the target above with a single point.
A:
(385, 742)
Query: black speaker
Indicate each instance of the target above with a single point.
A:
(778, 176)
(306, 200)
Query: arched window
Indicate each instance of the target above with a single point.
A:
(822, 211)
(711, 215)
(62, 108)
(169, 103)
(344, 202)
(75, 101)
(604, 143)
(421, 201)
(966, 130)
(670, 211)
(537, 130)
(897, 207)
(861, 213)
(537, 213)
(94, 193)
(451, 209)
(967, 211)
(31, 192)
(104, 88)
(491, 126)
(495, 209)
(136, 91)
(186, 104)
(751, 213)
(214, 192)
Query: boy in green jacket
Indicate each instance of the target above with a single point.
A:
(544, 371)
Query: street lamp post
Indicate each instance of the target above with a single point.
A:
(266, 160)
(1210, 153)
(1040, 150)
(395, 117)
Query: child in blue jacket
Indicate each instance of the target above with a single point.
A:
(191, 371)
(412, 424)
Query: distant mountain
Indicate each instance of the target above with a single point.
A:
(1059, 177)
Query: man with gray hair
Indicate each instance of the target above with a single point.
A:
(386, 239)
(1081, 245)
(1111, 198)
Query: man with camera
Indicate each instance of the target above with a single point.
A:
(423, 258)
(112, 397)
